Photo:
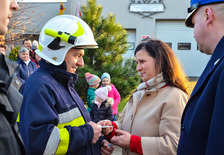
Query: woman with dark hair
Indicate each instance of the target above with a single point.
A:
(150, 122)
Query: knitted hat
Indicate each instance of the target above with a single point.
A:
(92, 79)
(102, 92)
(105, 75)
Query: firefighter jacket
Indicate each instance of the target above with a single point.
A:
(53, 119)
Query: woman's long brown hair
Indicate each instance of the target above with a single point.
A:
(166, 62)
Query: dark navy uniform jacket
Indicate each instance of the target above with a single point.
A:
(202, 125)
(10, 102)
(52, 112)
(25, 71)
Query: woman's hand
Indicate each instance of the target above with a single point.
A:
(106, 131)
(122, 140)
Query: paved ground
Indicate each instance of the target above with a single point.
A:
(117, 150)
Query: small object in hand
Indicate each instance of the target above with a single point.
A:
(110, 145)
(106, 129)
(105, 126)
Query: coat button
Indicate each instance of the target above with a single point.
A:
(182, 128)
(17, 82)
(148, 94)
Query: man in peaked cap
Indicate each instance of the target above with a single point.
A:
(202, 121)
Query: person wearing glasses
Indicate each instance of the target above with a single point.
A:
(202, 121)
(10, 98)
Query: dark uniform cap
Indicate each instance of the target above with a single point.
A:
(195, 4)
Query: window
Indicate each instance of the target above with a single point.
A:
(131, 45)
(184, 46)
(197, 47)
(169, 44)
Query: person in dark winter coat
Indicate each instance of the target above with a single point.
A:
(10, 98)
(27, 66)
(102, 106)
(53, 118)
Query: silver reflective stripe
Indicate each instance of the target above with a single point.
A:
(53, 142)
(69, 116)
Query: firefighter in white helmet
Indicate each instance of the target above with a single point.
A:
(53, 119)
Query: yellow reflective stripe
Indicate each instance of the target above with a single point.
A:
(64, 142)
(79, 32)
(18, 118)
(58, 141)
(40, 47)
(76, 122)
(69, 116)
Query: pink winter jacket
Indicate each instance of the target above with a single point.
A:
(116, 96)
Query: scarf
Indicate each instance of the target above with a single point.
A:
(27, 62)
(153, 84)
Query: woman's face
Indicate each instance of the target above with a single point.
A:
(145, 65)
(37, 57)
(105, 81)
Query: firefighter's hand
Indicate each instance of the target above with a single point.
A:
(96, 131)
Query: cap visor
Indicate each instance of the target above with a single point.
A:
(188, 21)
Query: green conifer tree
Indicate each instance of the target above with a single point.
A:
(112, 42)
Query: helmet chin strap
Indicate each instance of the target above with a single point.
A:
(55, 44)
(63, 65)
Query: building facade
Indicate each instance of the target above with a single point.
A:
(159, 19)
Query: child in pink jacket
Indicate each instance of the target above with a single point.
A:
(105, 79)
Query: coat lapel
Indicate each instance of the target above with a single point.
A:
(136, 99)
(213, 63)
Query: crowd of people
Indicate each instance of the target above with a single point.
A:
(41, 113)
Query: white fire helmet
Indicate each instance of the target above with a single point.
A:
(62, 33)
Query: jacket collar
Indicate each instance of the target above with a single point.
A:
(214, 61)
(8, 72)
(62, 76)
